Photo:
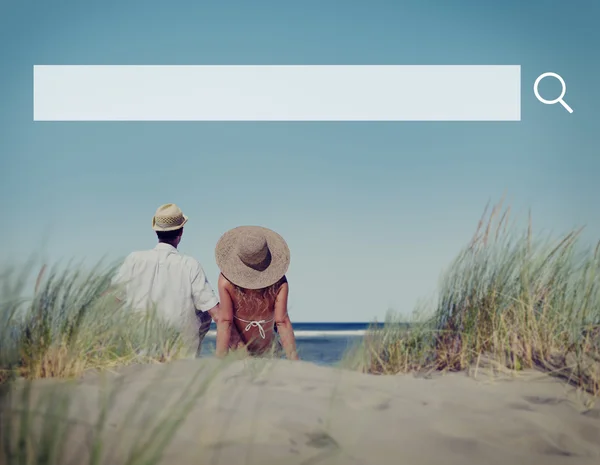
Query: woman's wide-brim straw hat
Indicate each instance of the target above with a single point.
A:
(252, 257)
(168, 217)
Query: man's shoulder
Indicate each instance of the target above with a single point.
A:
(140, 258)
(140, 255)
(129, 264)
(149, 255)
(190, 261)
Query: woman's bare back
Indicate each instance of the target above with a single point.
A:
(254, 315)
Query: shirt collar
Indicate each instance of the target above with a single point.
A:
(165, 246)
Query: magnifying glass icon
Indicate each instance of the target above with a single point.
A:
(556, 100)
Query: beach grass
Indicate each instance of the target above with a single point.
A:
(62, 323)
(67, 324)
(71, 322)
(509, 298)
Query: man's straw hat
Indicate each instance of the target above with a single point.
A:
(168, 217)
(252, 257)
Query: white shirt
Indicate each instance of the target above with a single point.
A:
(172, 283)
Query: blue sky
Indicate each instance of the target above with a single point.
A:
(373, 212)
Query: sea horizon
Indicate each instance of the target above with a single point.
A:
(325, 329)
(318, 342)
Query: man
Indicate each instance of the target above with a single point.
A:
(172, 283)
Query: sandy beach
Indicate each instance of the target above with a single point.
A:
(272, 412)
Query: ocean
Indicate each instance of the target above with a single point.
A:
(320, 343)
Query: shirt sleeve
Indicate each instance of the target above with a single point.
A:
(202, 293)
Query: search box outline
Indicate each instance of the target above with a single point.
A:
(277, 93)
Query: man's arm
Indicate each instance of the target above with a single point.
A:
(203, 295)
(284, 325)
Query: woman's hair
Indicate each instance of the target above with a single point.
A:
(260, 299)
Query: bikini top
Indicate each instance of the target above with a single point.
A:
(257, 324)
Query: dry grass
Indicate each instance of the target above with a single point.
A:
(71, 323)
(67, 323)
(521, 301)
(62, 324)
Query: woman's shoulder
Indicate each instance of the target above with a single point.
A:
(224, 283)
(279, 284)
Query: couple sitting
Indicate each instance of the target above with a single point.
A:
(253, 289)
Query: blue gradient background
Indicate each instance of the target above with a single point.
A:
(373, 212)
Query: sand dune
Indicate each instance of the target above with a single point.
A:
(258, 412)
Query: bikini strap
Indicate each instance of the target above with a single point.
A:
(256, 323)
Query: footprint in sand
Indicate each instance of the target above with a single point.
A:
(521, 406)
(321, 440)
(538, 400)
(592, 413)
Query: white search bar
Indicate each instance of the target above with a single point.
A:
(277, 93)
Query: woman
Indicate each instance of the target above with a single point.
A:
(254, 291)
